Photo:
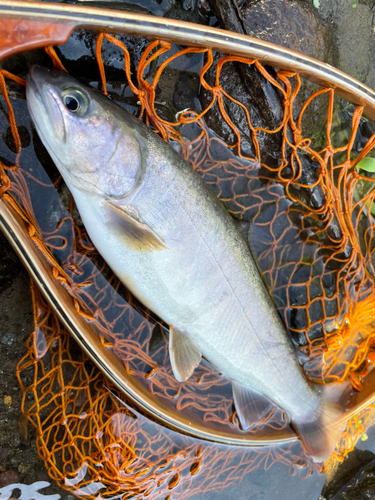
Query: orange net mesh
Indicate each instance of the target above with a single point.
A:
(310, 208)
(90, 439)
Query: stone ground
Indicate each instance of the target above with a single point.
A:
(352, 26)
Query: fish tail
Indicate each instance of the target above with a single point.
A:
(320, 429)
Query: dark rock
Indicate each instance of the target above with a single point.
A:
(291, 23)
(156, 7)
(361, 486)
(298, 319)
(77, 56)
(188, 10)
(188, 4)
(260, 99)
(8, 477)
(354, 29)
(10, 266)
(24, 137)
(185, 91)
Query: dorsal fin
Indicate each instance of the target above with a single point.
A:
(184, 354)
(139, 236)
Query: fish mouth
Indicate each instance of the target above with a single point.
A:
(34, 81)
(39, 88)
(34, 94)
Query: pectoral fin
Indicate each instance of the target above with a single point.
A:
(184, 354)
(251, 406)
(139, 236)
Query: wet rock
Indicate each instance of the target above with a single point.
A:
(185, 91)
(8, 477)
(24, 137)
(262, 102)
(78, 53)
(10, 266)
(20, 63)
(360, 487)
(354, 30)
(291, 23)
(245, 84)
(188, 4)
(188, 10)
(347, 474)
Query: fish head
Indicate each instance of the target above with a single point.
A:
(94, 149)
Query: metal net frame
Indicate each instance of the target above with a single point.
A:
(81, 424)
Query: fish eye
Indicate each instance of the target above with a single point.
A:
(71, 103)
(74, 101)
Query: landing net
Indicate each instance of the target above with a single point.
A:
(307, 210)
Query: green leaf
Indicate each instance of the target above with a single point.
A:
(367, 164)
(316, 3)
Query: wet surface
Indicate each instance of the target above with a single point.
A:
(17, 439)
(353, 25)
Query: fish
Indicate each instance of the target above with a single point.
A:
(171, 241)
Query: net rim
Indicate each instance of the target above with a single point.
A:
(120, 22)
(14, 229)
(176, 31)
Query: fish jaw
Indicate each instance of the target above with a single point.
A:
(42, 105)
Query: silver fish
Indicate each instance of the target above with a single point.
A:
(170, 240)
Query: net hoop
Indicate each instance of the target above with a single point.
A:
(194, 35)
(177, 32)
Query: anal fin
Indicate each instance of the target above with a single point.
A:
(251, 406)
(184, 354)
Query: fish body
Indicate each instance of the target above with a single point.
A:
(170, 240)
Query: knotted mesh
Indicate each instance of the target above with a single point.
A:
(306, 211)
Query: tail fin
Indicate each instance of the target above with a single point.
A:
(320, 431)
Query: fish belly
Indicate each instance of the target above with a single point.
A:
(205, 283)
